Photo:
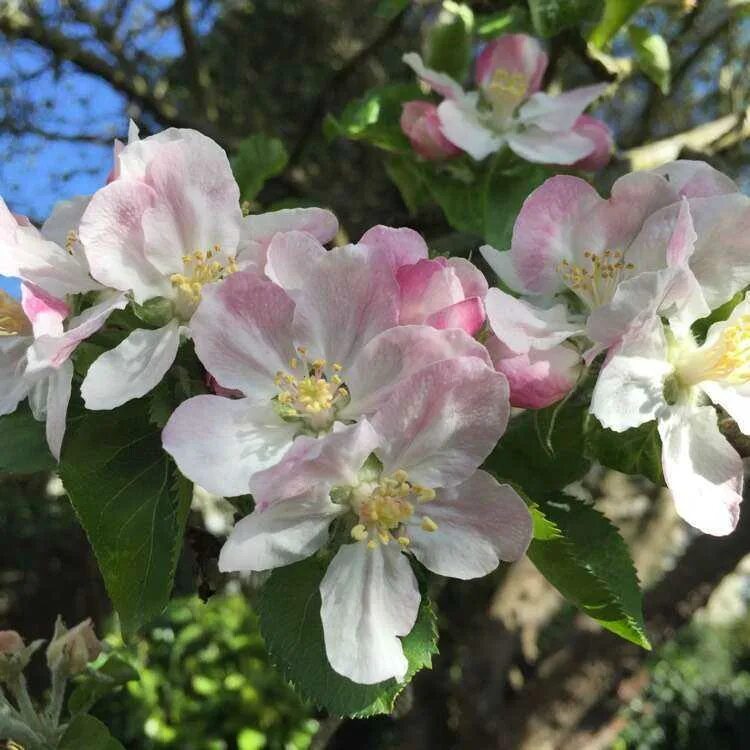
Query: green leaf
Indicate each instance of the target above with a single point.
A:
(375, 118)
(513, 19)
(289, 611)
(700, 327)
(550, 17)
(389, 9)
(635, 451)
(23, 445)
(120, 483)
(258, 158)
(543, 450)
(616, 14)
(459, 192)
(108, 676)
(583, 556)
(405, 174)
(448, 46)
(652, 54)
(89, 733)
(505, 191)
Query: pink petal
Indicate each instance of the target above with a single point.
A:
(421, 124)
(600, 135)
(45, 312)
(290, 255)
(515, 53)
(696, 179)
(400, 245)
(426, 287)
(472, 279)
(468, 315)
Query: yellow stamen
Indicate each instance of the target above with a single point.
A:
(428, 524)
(596, 283)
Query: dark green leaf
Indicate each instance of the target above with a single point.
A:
(258, 158)
(289, 610)
(616, 15)
(375, 118)
(583, 555)
(543, 450)
(121, 485)
(550, 17)
(505, 191)
(448, 46)
(23, 445)
(652, 54)
(635, 451)
(89, 733)
(390, 8)
(113, 673)
(700, 327)
(459, 191)
(405, 174)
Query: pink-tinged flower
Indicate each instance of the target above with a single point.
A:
(529, 347)
(168, 225)
(599, 133)
(325, 348)
(568, 240)
(36, 346)
(508, 108)
(70, 651)
(421, 124)
(658, 371)
(442, 292)
(403, 483)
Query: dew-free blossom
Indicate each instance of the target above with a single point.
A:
(317, 345)
(167, 224)
(403, 483)
(573, 247)
(507, 108)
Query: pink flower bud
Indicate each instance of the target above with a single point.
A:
(10, 642)
(71, 650)
(516, 55)
(421, 124)
(600, 135)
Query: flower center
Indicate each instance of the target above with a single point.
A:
(728, 359)
(311, 390)
(200, 268)
(596, 282)
(504, 92)
(385, 507)
(13, 320)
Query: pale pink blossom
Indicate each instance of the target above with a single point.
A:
(403, 483)
(508, 109)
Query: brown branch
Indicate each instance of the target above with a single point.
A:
(192, 51)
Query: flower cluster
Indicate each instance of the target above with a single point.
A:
(507, 109)
(630, 276)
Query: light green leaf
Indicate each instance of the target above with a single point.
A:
(289, 611)
(375, 118)
(550, 17)
(23, 445)
(543, 450)
(258, 158)
(513, 19)
(104, 679)
(635, 451)
(652, 54)
(448, 45)
(616, 14)
(89, 733)
(583, 556)
(121, 485)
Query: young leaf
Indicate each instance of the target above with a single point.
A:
(87, 732)
(616, 15)
(121, 485)
(652, 54)
(542, 450)
(584, 557)
(635, 451)
(550, 17)
(508, 21)
(258, 158)
(23, 445)
(289, 611)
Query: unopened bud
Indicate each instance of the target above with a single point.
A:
(10, 642)
(71, 650)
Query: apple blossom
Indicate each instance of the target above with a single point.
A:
(439, 292)
(322, 345)
(508, 108)
(403, 483)
(166, 225)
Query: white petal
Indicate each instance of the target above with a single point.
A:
(58, 397)
(440, 82)
(735, 399)
(369, 598)
(132, 368)
(13, 385)
(282, 534)
(479, 523)
(702, 470)
(559, 113)
(501, 262)
(461, 125)
(290, 254)
(630, 388)
(219, 443)
(537, 145)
